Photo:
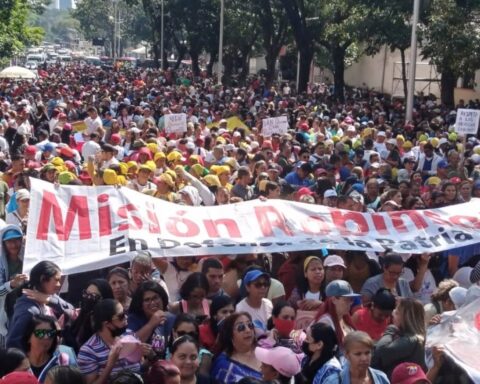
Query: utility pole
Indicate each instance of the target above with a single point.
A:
(413, 62)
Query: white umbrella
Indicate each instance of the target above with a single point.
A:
(17, 73)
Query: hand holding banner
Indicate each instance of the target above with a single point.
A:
(274, 125)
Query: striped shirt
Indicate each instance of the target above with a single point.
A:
(93, 356)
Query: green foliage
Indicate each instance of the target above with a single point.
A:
(58, 25)
(15, 33)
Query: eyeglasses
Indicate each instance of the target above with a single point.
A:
(261, 284)
(45, 333)
(88, 295)
(121, 316)
(151, 300)
(184, 333)
(242, 327)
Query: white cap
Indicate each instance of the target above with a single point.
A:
(190, 145)
(382, 133)
(236, 134)
(351, 128)
(223, 121)
(22, 194)
(392, 141)
(330, 193)
(443, 140)
(171, 143)
(334, 260)
(221, 131)
(229, 147)
(462, 276)
(458, 295)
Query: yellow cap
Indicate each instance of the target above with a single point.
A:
(423, 137)
(220, 140)
(66, 177)
(123, 168)
(153, 147)
(159, 155)
(174, 156)
(132, 164)
(407, 144)
(435, 142)
(199, 170)
(212, 181)
(110, 177)
(57, 161)
(167, 179)
(452, 136)
(335, 139)
(262, 185)
(400, 138)
(433, 180)
(121, 180)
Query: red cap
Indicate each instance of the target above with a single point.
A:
(304, 127)
(116, 138)
(67, 152)
(19, 377)
(304, 191)
(267, 144)
(408, 373)
(62, 116)
(30, 150)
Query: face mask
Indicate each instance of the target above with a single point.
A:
(88, 303)
(306, 349)
(284, 327)
(118, 331)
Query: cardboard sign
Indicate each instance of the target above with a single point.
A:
(274, 125)
(176, 123)
(467, 121)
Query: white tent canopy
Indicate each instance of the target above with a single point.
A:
(17, 73)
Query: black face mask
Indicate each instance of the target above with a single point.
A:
(118, 331)
(306, 349)
(88, 303)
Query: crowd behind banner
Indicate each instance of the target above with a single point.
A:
(299, 316)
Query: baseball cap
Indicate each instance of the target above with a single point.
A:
(334, 260)
(254, 275)
(304, 191)
(12, 233)
(22, 194)
(475, 274)
(458, 296)
(442, 164)
(19, 377)
(408, 373)
(381, 133)
(340, 288)
(282, 359)
(329, 193)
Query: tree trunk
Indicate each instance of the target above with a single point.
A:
(195, 67)
(338, 57)
(306, 56)
(404, 74)
(228, 64)
(210, 64)
(447, 87)
(271, 60)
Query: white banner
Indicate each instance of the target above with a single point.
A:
(274, 125)
(467, 121)
(175, 122)
(84, 228)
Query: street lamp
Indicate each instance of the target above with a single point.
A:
(413, 62)
(161, 36)
(220, 44)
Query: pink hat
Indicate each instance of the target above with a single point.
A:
(282, 359)
(19, 377)
(131, 349)
(334, 260)
(408, 373)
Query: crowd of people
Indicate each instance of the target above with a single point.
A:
(319, 316)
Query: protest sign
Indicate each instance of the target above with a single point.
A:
(84, 228)
(175, 123)
(274, 125)
(467, 121)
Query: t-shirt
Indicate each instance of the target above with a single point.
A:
(373, 284)
(259, 316)
(93, 356)
(364, 321)
(428, 285)
(174, 279)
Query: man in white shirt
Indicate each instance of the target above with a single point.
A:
(92, 146)
(93, 122)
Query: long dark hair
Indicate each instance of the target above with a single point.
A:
(32, 324)
(218, 302)
(103, 311)
(180, 319)
(136, 305)
(324, 333)
(66, 374)
(225, 337)
(11, 359)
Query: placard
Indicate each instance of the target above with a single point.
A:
(274, 125)
(467, 121)
(175, 123)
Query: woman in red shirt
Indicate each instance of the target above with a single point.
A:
(375, 318)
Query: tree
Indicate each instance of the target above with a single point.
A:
(15, 33)
(450, 38)
(274, 32)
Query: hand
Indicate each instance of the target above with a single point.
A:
(309, 305)
(39, 297)
(147, 350)
(438, 354)
(435, 320)
(114, 354)
(158, 318)
(18, 280)
(425, 258)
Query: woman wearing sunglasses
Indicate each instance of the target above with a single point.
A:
(99, 358)
(256, 283)
(79, 329)
(237, 345)
(41, 345)
(41, 297)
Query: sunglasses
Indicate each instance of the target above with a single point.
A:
(184, 333)
(121, 316)
(242, 327)
(260, 284)
(45, 333)
(88, 295)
